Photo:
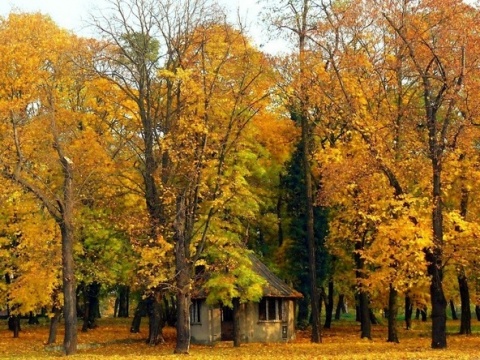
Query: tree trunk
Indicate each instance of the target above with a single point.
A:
(183, 277)
(140, 311)
(466, 315)
(33, 319)
(69, 296)
(438, 301)
(408, 312)
(14, 325)
(453, 310)
(306, 142)
(90, 295)
(123, 299)
(340, 306)
(155, 316)
(434, 255)
(68, 263)
(423, 313)
(183, 314)
(477, 312)
(392, 315)
(236, 322)
(54, 321)
(329, 306)
(364, 314)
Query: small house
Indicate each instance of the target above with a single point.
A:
(270, 320)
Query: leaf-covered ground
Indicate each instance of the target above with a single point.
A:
(112, 340)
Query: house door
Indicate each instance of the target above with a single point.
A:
(227, 324)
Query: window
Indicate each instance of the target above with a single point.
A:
(195, 311)
(270, 309)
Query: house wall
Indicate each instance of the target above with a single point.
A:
(208, 330)
(254, 330)
(251, 328)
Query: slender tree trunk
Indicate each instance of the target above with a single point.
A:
(54, 321)
(68, 264)
(392, 315)
(69, 295)
(123, 301)
(306, 140)
(312, 270)
(236, 322)
(86, 311)
(477, 312)
(90, 306)
(434, 255)
(33, 319)
(466, 315)
(329, 306)
(423, 313)
(408, 312)
(183, 278)
(453, 310)
(183, 314)
(438, 301)
(340, 306)
(364, 312)
(140, 311)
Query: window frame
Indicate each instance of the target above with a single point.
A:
(265, 307)
(195, 312)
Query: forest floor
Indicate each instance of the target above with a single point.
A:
(112, 340)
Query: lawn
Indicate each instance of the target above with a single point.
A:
(112, 340)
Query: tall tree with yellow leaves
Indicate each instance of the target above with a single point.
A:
(46, 132)
(192, 84)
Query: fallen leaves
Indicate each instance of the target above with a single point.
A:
(112, 340)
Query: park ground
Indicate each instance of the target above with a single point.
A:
(112, 340)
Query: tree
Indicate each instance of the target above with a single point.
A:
(50, 125)
(297, 18)
(191, 87)
(438, 62)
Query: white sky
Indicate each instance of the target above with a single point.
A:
(73, 14)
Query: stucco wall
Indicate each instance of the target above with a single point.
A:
(251, 328)
(208, 330)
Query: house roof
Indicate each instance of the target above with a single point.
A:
(274, 286)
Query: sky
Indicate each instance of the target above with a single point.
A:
(73, 15)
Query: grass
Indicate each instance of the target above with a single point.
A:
(112, 340)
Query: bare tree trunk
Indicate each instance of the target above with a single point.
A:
(183, 278)
(392, 315)
(329, 306)
(156, 321)
(68, 268)
(14, 325)
(466, 315)
(340, 306)
(54, 321)
(364, 314)
(408, 312)
(236, 322)
(453, 310)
